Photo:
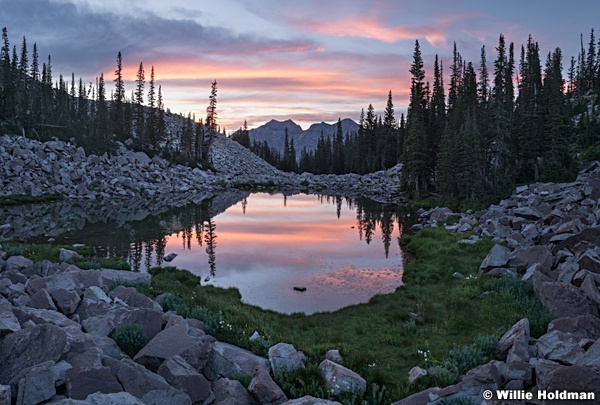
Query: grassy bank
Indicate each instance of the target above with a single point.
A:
(12, 200)
(434, 319)
(88, 259)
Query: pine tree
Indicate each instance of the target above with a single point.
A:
(211, 121)
(484, 79)
(437, 114)
(118, 104)
(151, 121)
(556, 161)
(416, 170)
(528, 125)
(140, 82)
(499, 136)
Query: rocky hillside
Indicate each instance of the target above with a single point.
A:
(553, 234)
(30, 167)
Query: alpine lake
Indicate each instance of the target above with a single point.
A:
(296, 253)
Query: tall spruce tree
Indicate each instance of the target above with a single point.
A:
(118, 102)
(416, 171)
(140, 82)
(211, 121)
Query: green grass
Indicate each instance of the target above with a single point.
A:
(378, 340)
(38, 253)
(12, 200)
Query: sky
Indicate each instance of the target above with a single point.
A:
(305, 60)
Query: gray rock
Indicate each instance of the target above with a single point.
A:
(572, 379)
(419, 398)
(523, 258)
(39, 316)
(190, 343)
(179, 374)
(135, 378)
(590, 260)
(170, 257)
(415, 374)
(309, 400)
(560, 347)
(42, 300)
(528, 213)
(284, 358)
(120, 398)
(30, 346)
(335, 356)
(98, 325)
(34, 384)
(133, 298)
(231, 392)
(82, 382)
(264, 389)
(66, 301)
(229, 361)
(518, 332)
(497, 257)
(171, 396)
(17, 263)
(149, 319)
(59, 372)
(585, 326)
(339, 379)
(66, 255)
(563, 299)
(95, 294)
(8, 321)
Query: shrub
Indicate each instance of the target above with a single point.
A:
(130, 338)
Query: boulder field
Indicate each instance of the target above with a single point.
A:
(548, 236)
(30, 167)
(57, 324)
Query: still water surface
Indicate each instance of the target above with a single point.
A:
(342, 251)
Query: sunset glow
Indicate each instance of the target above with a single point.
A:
(308, 61)
(303, 243)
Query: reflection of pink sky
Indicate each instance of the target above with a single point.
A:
(272, 248)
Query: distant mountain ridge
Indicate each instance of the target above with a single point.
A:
(274, 133)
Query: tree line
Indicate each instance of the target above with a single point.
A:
(376, 145)
(481, 140)
(36, 105)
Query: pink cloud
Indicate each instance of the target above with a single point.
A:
(371, 27)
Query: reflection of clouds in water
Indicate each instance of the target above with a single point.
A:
(273, 248)
(325, 291)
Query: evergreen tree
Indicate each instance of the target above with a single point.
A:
(556, 161)
(437, 113)
(118, 104)
(211, 121)
(416, 170)
(139, 101)
(528, 125)
(151, 121)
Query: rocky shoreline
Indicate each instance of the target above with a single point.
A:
(57, 325)
(553, 236)
(30, 167)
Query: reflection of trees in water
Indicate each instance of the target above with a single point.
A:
(210, 237)
(371, 215)
(144, 241)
